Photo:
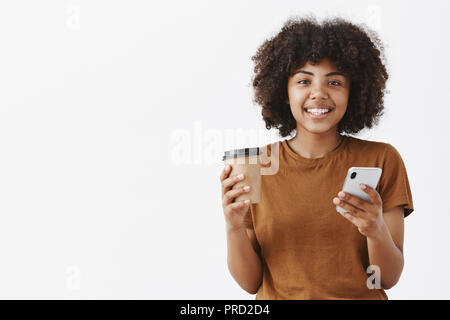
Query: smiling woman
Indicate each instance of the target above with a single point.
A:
(321, 81)
(351, 52)
(318, 97)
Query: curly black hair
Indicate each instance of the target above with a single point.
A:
(354, 49)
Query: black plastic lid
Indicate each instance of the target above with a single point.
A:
(237, 153)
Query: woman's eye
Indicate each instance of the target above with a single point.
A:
(337, 83)
(334, 83)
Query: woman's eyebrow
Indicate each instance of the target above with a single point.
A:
(334, 73)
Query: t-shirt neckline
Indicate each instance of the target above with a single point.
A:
(314, 161)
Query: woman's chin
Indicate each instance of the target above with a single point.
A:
(319, 128)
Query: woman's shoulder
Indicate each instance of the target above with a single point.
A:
(370, 144)
(386, 149)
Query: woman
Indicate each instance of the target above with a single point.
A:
(321, 80)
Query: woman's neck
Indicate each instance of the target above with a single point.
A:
(314, 145)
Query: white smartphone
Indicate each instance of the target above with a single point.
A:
(357, 175)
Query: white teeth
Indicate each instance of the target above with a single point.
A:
(318, 111)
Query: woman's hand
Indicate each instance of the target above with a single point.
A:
(367, 216)
(234, 212)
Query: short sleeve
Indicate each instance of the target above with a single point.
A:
(394, 186)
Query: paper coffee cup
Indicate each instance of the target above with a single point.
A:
(245, 161)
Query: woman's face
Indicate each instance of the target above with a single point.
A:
(318, 86)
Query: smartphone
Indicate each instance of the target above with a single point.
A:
(357, 175)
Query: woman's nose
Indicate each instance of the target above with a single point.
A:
(319, 92)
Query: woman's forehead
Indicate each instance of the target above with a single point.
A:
(324, 64)
(324, 67)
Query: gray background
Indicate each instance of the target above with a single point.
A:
(113, 119)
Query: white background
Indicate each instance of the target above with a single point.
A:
(113, 119)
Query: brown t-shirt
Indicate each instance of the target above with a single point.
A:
(310, 251)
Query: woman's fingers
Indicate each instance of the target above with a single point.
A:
(231, 181)
(350, 208)
(230, 195)
(225, 173)
(239, 204)
(234, 211)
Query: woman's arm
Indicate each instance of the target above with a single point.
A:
(386, 248)
(384, 231)
(243, 262)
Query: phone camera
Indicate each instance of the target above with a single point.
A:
(353, 175)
